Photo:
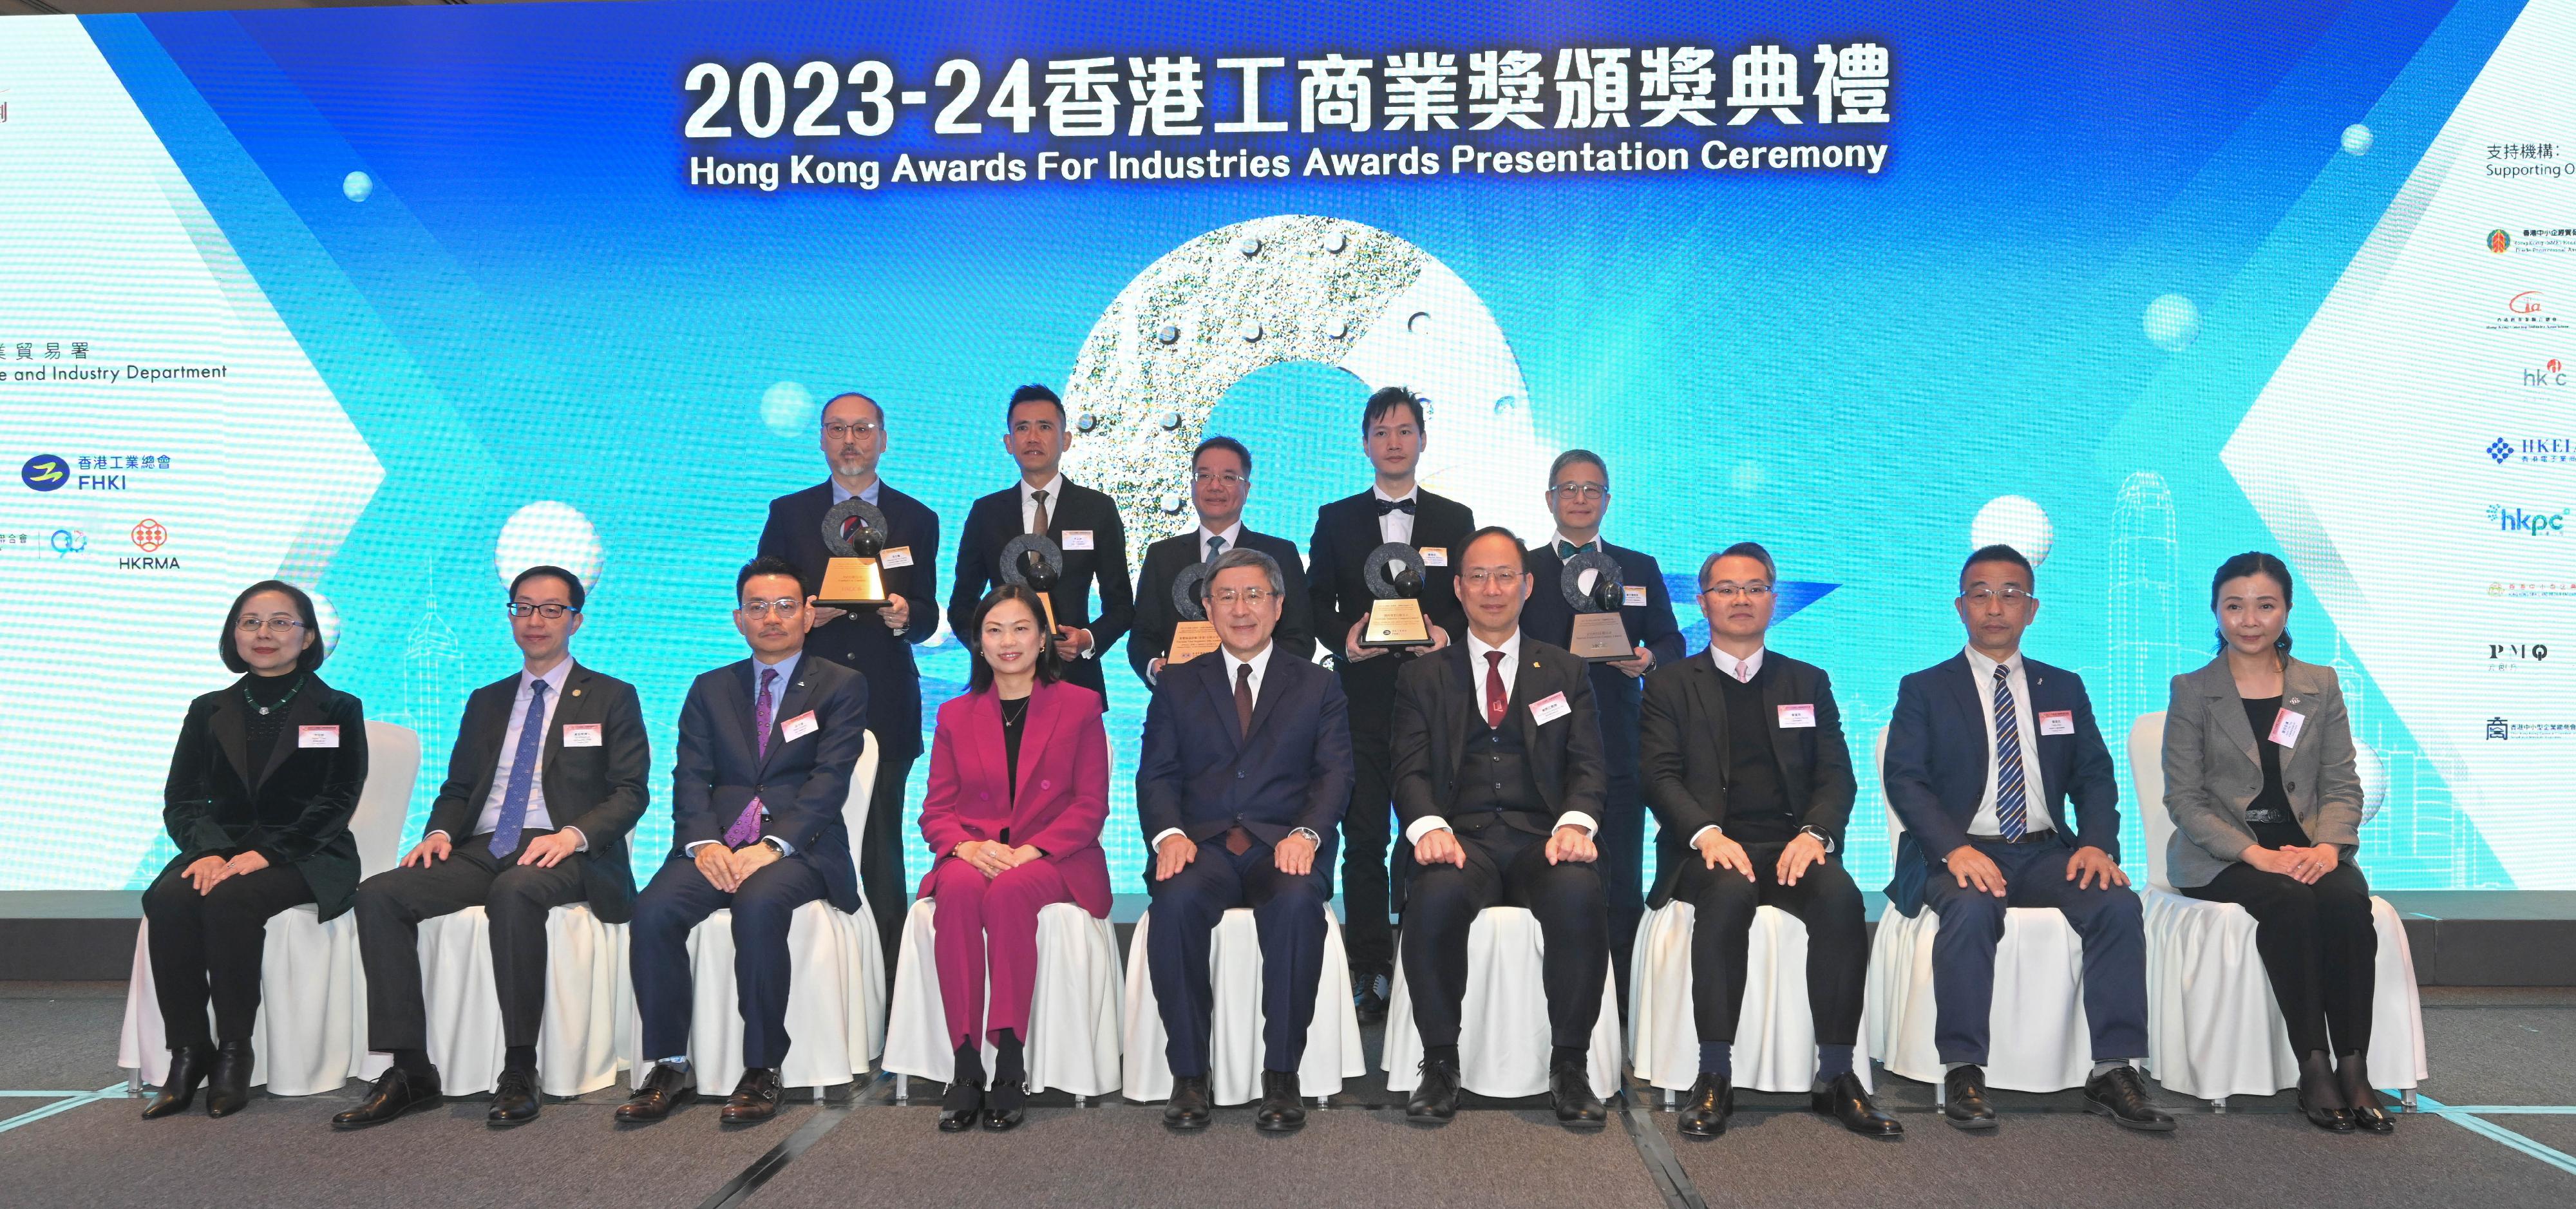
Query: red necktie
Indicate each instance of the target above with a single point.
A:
(1497, 702)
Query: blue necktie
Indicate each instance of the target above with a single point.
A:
(2012, 813)
(523, 773)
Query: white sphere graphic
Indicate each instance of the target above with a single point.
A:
(2357, 139)
(547, 533)
(2172, 322)
(327, 616)
(357, 186)
(2373, 773)
(788, 409)
(2015, 521)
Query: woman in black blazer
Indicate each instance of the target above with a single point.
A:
(263, 782)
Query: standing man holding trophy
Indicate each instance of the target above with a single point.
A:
(1168, 633)
(874, 552)
(1370, 627)
(1052, 534)
(1609, 606)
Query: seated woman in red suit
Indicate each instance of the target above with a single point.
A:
(1019, 788)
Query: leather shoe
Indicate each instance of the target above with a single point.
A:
(2119, 1094)
(1711, 1102)
(187, 1070)
(228, 1085)
(1963, 1098)
(1569, 1087)
(1007, 1104)
(1435, 1098)
(665, 1088)
(1368, 996)
(1188, 1108)
(1282, 1109)
(2368, 1114)
(754, 1099)
(2319, 1099)
(396, 1092)
(514, 1100)
(1846, 1101)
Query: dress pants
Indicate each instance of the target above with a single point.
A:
(1622, 838)
(1367, 827)
(516, 898)
(2319, 946)
(680, 898)
(1825, 900)
(1506, 867)
(2108, 918)
(208, 947)
(1287, 913)
(988, 928)
(880, 854)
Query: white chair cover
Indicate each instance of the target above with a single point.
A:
(1333, 1050)
(311, 1034)
(1073, 1007)
(2214, 1028)
(582, 1043)
(1502, 1022)
(1775, 1034)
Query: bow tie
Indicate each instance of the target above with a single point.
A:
(1404, 506)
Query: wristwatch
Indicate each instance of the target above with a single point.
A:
(1821, 838)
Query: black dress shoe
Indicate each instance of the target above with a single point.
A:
(514, 1099)
(1846, 1101)
(228, 1085)
(1569, 1087)
(1282, 1109)
(187, 1070)
(1188, 1108)
(1368, 996)
(2368, 1114)
(2320, 1099)
(2118, 1093)
(754, 1099)
(1006, 1105)
(1710, 1103)
(395, 1092)
(1435, 1098)
(1964, 1098)
(665, 1088)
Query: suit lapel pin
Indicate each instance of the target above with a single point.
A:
(576, 692)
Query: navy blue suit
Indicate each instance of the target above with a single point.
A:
(1938, 765)
(1204, 776)
(802, 784)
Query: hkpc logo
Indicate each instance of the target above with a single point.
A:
(2529, 524)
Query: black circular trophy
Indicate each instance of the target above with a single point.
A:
(1600, 633)
(1193, 635)
(1034, 561)
(854, 531)
(1395, 575)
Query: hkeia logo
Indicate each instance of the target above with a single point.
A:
(2529, 524)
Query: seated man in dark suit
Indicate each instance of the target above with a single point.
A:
(1986, 750)
(766, 750)
(1497, 760)
(1245, 774)
(548, 775)
(1220, 481)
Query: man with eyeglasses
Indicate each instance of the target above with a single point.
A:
(548, 774)
(1220, 481)
(1578, 496)
(1746, 768)
(1985, 753)
(1241, 787)
(1084, 524)
(876, 644)
(767, 746)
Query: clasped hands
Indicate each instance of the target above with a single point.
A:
(727, 868)
(993, 858)
(2302, 865)
(206, 872)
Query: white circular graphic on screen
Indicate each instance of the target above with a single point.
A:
(548, 534)
(2172, 322)
(2373, 774)
(2015, 521)
(357, 186)
(787, 408)
(327, 617)
(2357, 139)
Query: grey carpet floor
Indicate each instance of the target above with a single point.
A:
(2555, 1132)
(2501, 1055)
(59, 1036)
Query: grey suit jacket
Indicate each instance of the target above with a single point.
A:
(2213, 770)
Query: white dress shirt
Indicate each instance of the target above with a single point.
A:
(536, 819)
(1510, 670)
(1029, 502)
(1260, 665)
(2034, 794)
(1233, 535)
(786, 669)
(1396, 526)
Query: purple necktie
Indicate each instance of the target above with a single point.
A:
(747, 827)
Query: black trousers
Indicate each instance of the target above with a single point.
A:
(679, 899)
(880, 854)
(516, 897)
(1622, 841)
(1368, 939)
(1287, 913)
(207, 948)
(2318, 946)
(1837, 940)
(1506, 867)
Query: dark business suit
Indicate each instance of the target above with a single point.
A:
(1155, 619)
(1696, 776)
(1616, 694)
(802, 785)
(1337, 589)
(862, 643)
(1938, 767)
(600, 790)
(996, 519)
(1204, 776)
(1442, 751)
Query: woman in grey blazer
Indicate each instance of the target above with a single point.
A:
(2266, 806)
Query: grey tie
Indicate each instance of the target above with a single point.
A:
(1216, 546)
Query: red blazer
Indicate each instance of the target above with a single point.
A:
(1064, 784)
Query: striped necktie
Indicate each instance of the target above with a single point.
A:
(2012, 811)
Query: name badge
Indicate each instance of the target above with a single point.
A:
(581, 734)
(317, 736)
(1548, 709)
(798, 727)
(1077, 539)
(1435, 556)
(894, 556)
(2286, 725)
(1633, 596)
(2057, 722)
(1797, 717)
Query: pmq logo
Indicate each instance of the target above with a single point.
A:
(44, 472)
(2505, 653)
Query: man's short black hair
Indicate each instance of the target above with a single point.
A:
(307, 658)
(573, 591)
(1034, 392)
(1486, 532)
(1751, 550)
(1230, 445)
(1386, 399)
(1999, 553)
(767, 564)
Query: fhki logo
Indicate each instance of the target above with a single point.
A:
(2527, 523)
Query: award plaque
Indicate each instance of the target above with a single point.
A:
(1395, 576)
(1034, 561)
(1600, 633)
(1194, 635)
(853, 531)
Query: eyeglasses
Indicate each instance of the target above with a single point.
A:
(1751, 591)
(274, 625)
(784, 606)
(1226, 477)
(1250, 596)
(1986, 596)
(551, 612)
(1581, 491)
(1480, 577)
(852, 432)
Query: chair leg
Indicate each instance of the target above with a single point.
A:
(903, 1089)
(1669, 1099)
(2407, 1097)
(2218, 1104)
(134, 1084)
